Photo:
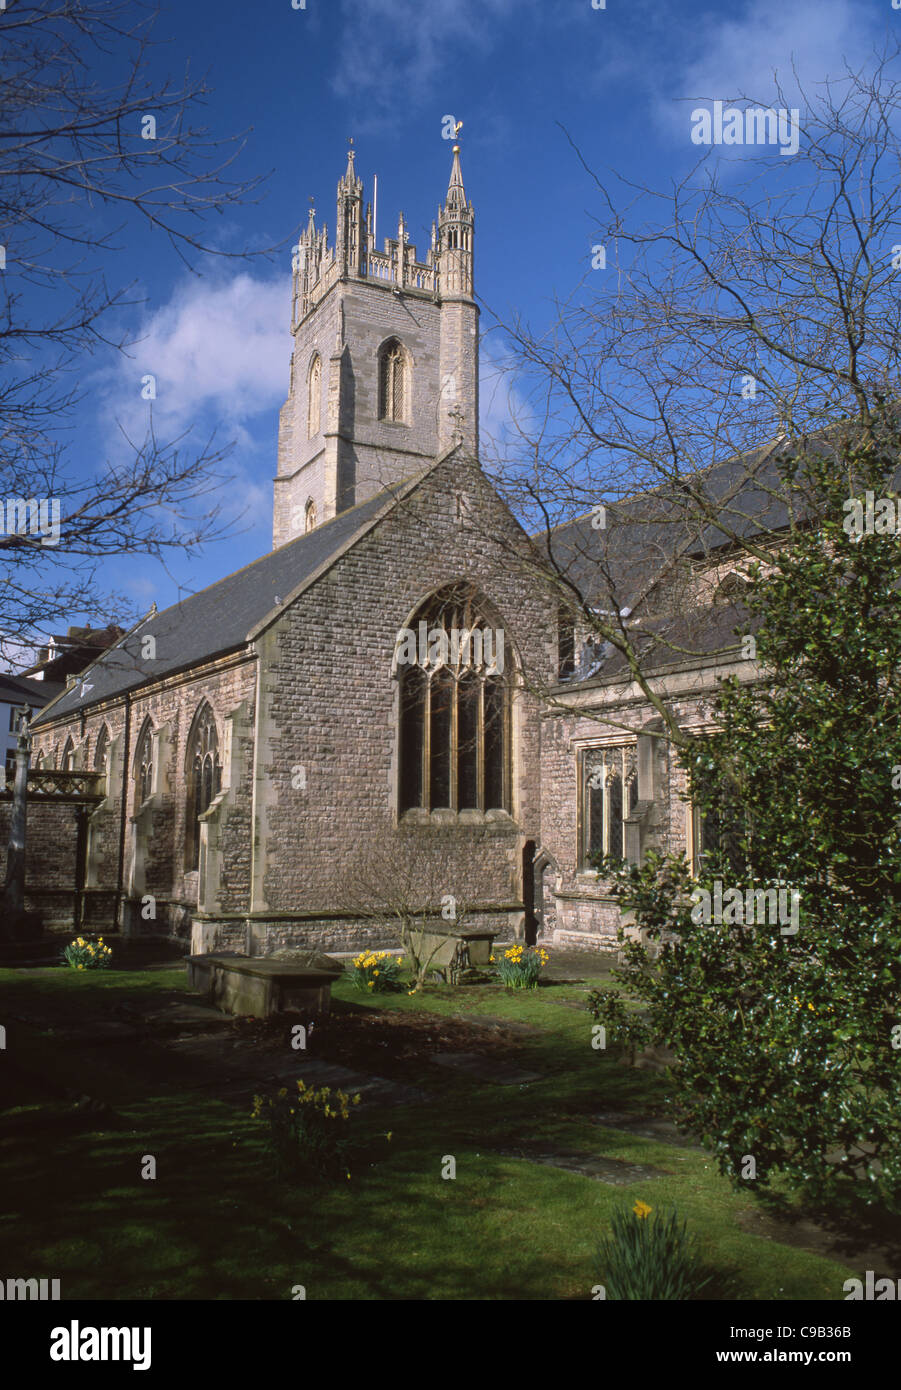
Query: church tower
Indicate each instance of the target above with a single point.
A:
(384, 371)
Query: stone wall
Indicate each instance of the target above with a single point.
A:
(327, 765)
(355, 454)
(49, 861)
(585, 914)
(162, 876)
(320, 788)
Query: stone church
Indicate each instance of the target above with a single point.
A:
(367, 692)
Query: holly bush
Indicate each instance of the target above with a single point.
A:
(786, 1038)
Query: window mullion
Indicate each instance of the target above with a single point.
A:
(427, 748)
(454, 745)
(480, 748)
(605, 811)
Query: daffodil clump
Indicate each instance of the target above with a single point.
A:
(306, 1130)
(643, 1259)
(520, 966)
(82, 954)
(376, 972)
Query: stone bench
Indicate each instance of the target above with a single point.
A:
(261, 987)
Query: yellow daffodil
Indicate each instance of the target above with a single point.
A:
(642, 1210)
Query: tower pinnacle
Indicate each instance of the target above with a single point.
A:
(456, 225)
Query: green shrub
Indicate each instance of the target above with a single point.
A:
(520, 966)
(626, 1031)
(81, 954)
(377, 972)
(307, 1130)
(644, 1258)
(786, 1023)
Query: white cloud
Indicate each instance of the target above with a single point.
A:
(392, 50)
(218, 350)
(806, 41)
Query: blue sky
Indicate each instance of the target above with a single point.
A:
(622, 80)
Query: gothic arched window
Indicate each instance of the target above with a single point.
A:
(143, 767)
(314, 398)
(101, 751)
(454, 708)
(393, 392)
(609, 797)
(204, 778)
(68, 758)
(309, 516)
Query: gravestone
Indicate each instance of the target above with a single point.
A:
(261, 986)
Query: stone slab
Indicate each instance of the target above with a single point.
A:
(176, 1015)
(646, 1127)
(377, 1090)
(260, 986)
(612, 1171)
(485, 1068)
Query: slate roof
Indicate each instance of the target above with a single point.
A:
(16, 689)
(218, 619)
(647, 530)
(665, 643)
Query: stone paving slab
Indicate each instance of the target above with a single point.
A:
(613, 1171)
(177, 1012)
(376, 1088)
(233, 1076)
(485, 1068)
(646, 1127)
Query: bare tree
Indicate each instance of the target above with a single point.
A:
(83, 163)
(734, 326)
(421, 885)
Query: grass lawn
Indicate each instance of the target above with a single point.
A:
(214, 1223)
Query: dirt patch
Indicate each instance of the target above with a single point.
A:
(852, 1243)
(396, 1045)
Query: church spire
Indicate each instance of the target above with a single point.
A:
(350, 239)
(456, 194)
(456, 226)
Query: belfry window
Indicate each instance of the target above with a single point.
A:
(314, 397)
(609, 794)
(204, 778)
(454, 708)
(143, 766)
(393, 382)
